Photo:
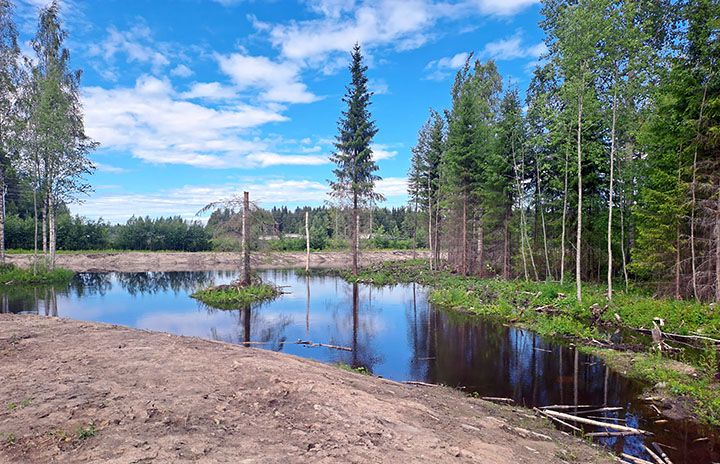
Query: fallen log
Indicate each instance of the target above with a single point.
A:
(634, 460)
(583, 420)
(568, 406)
(610, 434)
(661, 452)
(422, 384)
(559, 421)
(655, 457)
(497, 399)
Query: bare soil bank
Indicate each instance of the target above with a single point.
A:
(206, 261)
(76, 392)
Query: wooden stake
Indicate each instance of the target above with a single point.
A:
(307, 241)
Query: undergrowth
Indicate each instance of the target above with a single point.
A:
(551, 309)
(13, 275)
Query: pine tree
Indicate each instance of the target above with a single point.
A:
(355, 172)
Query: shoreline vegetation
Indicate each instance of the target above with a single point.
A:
(615, 332)
(13, 275)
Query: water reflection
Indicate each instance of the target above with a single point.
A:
(390, 331)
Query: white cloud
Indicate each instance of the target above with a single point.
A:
(440, 69)
(155, 124)
(382, 152)
(392, 187)
(512, 48)
(135, 43)
(503, 7)
(278, 82)
(181, 71)
(188, 200)
(400, 24)
(404, 24)
(210, 91)
(102, 167)
(378, 86)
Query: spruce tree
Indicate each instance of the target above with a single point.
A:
(355, 166)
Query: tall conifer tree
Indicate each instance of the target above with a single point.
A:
(355, 172)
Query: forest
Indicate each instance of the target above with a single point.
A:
(605, 169)
(608, 171)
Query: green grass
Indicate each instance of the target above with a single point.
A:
(83, 432)
(225, 297)
(349, 368)
(516, 302)
(13, 275)
(8, 437)
(670, 378)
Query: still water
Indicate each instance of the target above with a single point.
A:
(392, 332)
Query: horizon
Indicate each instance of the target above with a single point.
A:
(197, 101)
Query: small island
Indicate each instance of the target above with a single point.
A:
(234, 295)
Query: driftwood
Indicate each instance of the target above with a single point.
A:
(583, 420)
(324, 345)
(422, 384)
(609, 434)
(606, 409)
(658, 459)
(568, 406)
(634, 460)
(559, 421)
(497, 399)
(671, 336)
(661, 453)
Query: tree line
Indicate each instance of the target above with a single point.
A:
(608, 171)
(43, 145)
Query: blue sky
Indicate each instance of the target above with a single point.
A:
(197, 100)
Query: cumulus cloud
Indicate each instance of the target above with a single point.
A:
(503, 7)
(209, 91)
(404, 24)
(181, 71)
(399, 24)
(277, 81)
(186, 201)
(440, 69)
(512, 48)
(159, 125)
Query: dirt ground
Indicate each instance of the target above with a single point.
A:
(206, 261)
(77, 392)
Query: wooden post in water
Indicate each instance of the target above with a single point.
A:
(245, 248)
(307, 241)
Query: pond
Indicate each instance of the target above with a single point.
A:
(391, 332)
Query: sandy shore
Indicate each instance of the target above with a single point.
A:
(206, 261)
(77, 392)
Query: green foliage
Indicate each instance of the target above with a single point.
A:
(12, 275)
(358, 370)
(162, 234)
(355, 167)
(231, 297)
(83, 432)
